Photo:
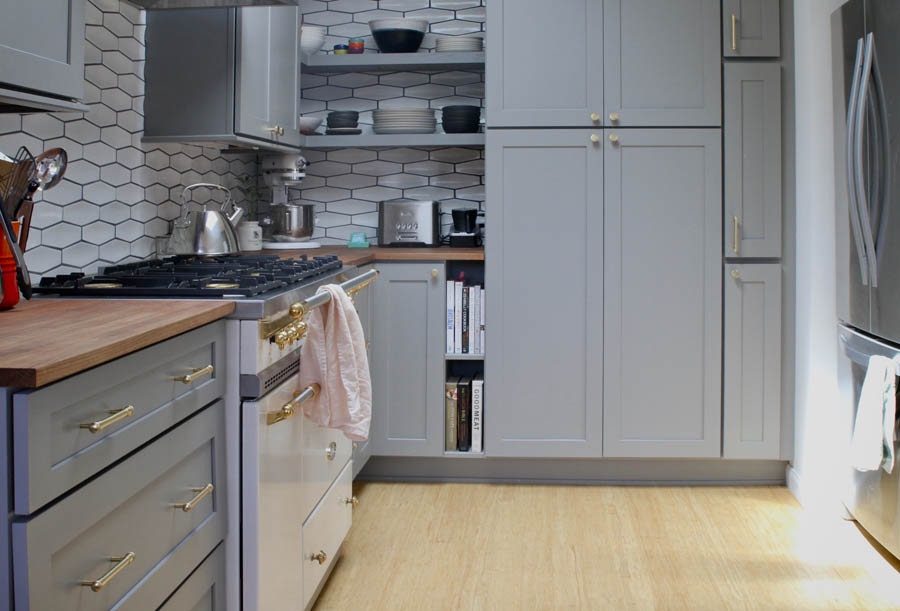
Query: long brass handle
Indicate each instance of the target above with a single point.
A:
(735, 224)
(287, 410)
(197, 373)
(733, 32)
(202, 493)
(331, 451)
(121, 563)
(320, 557)
(115, 416)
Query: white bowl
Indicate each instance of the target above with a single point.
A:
(312, 29)
(310, 123)
(312, 43)
(419, 25)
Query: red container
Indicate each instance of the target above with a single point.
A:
(10, 294)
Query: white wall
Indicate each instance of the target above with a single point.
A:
(817, 476)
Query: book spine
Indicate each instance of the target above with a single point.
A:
(464, 407)
(476, 320)
(481, 326)
(450, 403)
(451, 292)
(477, 413)
(474, 292)
(457, 317)
(465, 319)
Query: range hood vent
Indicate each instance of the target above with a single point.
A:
(174, 4)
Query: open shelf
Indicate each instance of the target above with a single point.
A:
(463, 357)
(363, 140)
(319, 63)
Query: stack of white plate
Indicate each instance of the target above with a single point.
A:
(459, 43)
(403, 121)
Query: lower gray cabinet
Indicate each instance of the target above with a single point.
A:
(543, 363)
(363, 301)
(408, 360)
(752, 361)
(662, 288)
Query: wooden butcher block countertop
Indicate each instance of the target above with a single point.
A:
(44, 340)
(361, 256)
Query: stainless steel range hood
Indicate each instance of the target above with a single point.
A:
(170, 4)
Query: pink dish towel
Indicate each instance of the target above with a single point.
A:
(334, 356)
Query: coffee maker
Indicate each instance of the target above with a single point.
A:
(465, 229)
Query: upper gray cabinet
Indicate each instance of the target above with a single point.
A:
(41, 55)
(751, 28)
(545, 63)
(661, 63)
(587, 63)
(223, 76)
(752, 150)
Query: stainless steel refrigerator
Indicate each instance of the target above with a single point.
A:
(866, 62)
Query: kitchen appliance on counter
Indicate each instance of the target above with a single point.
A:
(288, 225)
(465, 228)
(206, 231)
(866, 62)
(408, 222)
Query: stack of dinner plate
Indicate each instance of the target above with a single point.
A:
(403, 121)
(458, 43)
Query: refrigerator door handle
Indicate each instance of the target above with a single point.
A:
(862, 199)
(884, 176)
(851, 165)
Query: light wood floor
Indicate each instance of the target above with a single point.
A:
(482, 546)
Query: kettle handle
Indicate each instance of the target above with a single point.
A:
(209, 185)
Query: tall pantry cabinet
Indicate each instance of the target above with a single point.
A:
(603, 258)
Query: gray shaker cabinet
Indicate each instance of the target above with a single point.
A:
(663, 290)
(751, 28)
(223, 76)
(752, 151)
(661, 63)
(545, 63)
(408, 360)
(752, 392)
(363, 301)
(544, 313)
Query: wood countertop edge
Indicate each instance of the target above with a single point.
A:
(36, 377)
(380, 254)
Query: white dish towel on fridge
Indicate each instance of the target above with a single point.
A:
(872, 445)
(334, 356)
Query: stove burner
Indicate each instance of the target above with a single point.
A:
(193, 276)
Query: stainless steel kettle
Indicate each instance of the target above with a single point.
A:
(206, 232)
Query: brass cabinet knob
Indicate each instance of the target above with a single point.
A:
(595, 138)
(319, 557)
(735, 274)
(613, 138)
(595, 116)
(614, 117)
(352, 501)
(331, 451)
(434, 273)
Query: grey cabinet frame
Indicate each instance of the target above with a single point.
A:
(752, 361)
(752, 152)
(751, 28)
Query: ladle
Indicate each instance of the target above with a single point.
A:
(50, 166)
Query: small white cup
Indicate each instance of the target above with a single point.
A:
(249, 235)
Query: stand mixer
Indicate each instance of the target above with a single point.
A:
(288, 226)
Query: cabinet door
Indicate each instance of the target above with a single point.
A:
(42, 46)
(752, 393)
(663, 294)
(268, 74)
(408, 366)
(363, 302)
(662, 63)
(543, 369)
(545, 64)
(752, 160)
(751, 28)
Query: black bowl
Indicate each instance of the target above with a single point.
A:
(397, 40)
(462, 127)
(341, 122)
(462, 109)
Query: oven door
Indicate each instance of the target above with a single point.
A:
(874, 496)
(273, 510)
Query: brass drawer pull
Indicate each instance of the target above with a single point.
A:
(115, 416)
(197, 373)
(121, 563)
(320, 557)
(287, 410)
(331, 451)
(202, 493)
(733, 32)
(735, 226)
(352, 501)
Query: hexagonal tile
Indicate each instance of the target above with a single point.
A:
(115, 174)
(42, 259)
(157, 227)
(101, 38)
(74, 150)
(328, 168)
(118, 63)
(114, 251)
(455, 78)
(156, 194)
(143, 247)
(367, 16)
(180, 162)
(156, 159)
(42, 125)
(377, 194)
(116, 99)
(352, 181)
(454, 181)
(99, 153)
(10, 143)
(472, 193)
(455, 155)
(428, 193)
(129, 230)
(80, 254)
(10, 123)
(403, 181)
(92, 55)
(98, 233)
(353, 80)
(130, 121)
(46, 215)
(351, 155)
(92, 15)
(456, 28)
(66, 192)
(325, 194)
(99, 193)
(81, 213)
(169, 177)
(472, 90)
(455, 4)
(61, 235)
(378, 92)
(352, 206)
(118, 24)
(143, 211)
(331, 219)
(428, 92)
(328, 92)
(403, 103)
(219, 166)
(313, 182)
(82, 132)
(193, 151)
(428, 168)
(471, 167)
(132, 49)
(115, 213)
(143, 176)
(168, 210)
(115, 137)
(326, 18)
(432, 15)
(475, 13)
(101, 115)
(342, 234)
(377, 168)
(403, 5)
(359, 104)
(82, 172)
(403, 155)
(129, 194)
(369, 219)
(130, 157)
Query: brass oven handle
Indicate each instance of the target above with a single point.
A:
(735, 226)
(331, 451)
(197, 373)
(287, 410)
(320, 557)
(121, 563)
(202, 493)
(733, 32)
(115, 416)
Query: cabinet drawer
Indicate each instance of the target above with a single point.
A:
(53, 451)
(325, 452)
(324, 532)
(204, 590)
(130, 508)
